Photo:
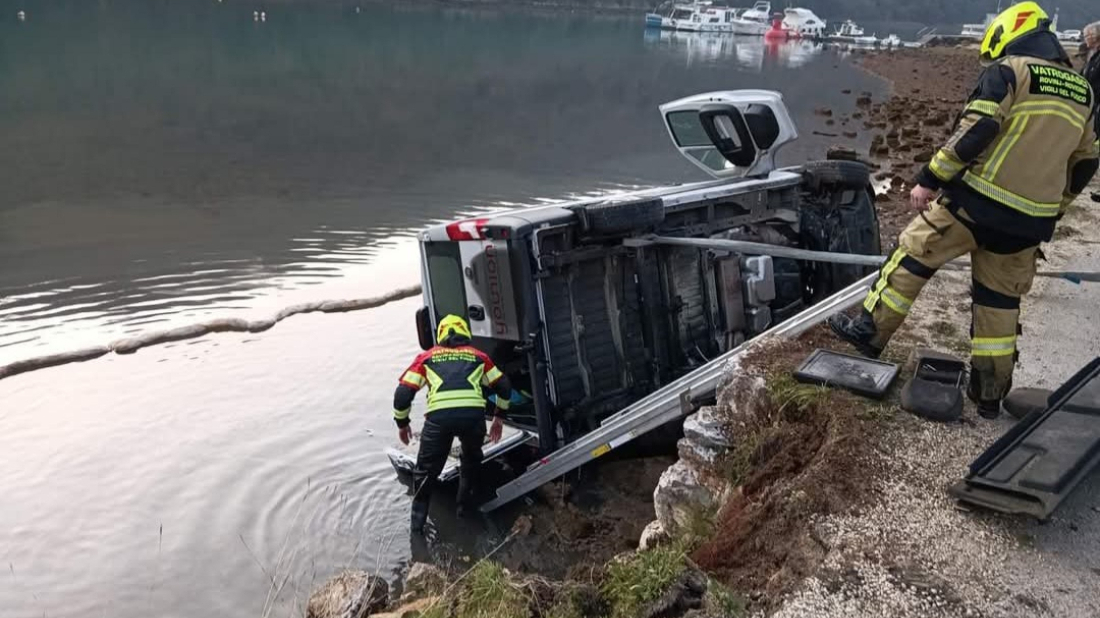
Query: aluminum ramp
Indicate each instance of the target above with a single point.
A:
(663, 405)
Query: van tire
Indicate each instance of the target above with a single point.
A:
(827, 224)
(613, 217)
(836, 173)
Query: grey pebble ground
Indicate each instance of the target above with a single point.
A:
(916, 552)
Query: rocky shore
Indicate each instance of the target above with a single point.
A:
(791, 500)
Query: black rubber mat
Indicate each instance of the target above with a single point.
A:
(860, 375)
(1033, 467)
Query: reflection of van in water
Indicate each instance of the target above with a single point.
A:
(587, 317)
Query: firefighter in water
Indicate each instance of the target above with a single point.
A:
(1024, 147)
(455, 373)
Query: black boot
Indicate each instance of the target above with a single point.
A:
(856, 331)
(419, 517)
(987, 408)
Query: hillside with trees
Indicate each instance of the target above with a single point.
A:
(1072, 13)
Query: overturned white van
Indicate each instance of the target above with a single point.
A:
(588, 318)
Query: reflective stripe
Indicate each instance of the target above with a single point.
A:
(1077, 124)
(1015, 130)
(945, 166)
(413, 379)
(455, 399)
(896, 301)
(401, 414)
(993, 346)
(988, 108)
(492, 376)
(887, 269)
(1076, 116)
(1010, 199)
(503, 403)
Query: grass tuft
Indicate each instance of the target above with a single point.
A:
(488, 593)
(793, 400)
(728, 603)
(640, 579)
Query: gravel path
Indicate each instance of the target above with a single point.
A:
(916, 552)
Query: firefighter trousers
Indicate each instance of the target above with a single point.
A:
(435, 446)
(1002, 270)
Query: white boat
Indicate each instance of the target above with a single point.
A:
(754, 21)
(977, 31)
(803, 23)
(849, 29)
(696, 17)
(891, 41)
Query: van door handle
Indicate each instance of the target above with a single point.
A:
(477, 312)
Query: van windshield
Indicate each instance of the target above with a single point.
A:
(446, 278)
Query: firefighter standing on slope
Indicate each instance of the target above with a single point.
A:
(1024, 147)
(454, 372)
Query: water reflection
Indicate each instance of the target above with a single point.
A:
(749, 52)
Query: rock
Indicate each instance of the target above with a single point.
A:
(830, 122)
(863, 101)
(937, 118)
(846, 91)
(823, 111)
(679, 496)
(698, 454)
(351, 594)
(424, 579)
(841, 153)
(851, 134)
(412, 608)
(653, 535)
(706, 428)
(923, 156)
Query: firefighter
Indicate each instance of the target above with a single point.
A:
(455, 373)
(1024, 147)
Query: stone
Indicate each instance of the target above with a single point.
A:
(412, 608)
(424, 579)
(706, 428)
(653, 535)
(351, 594)
(823, 111)
(923, 156)
(698, 454)
(679, 495)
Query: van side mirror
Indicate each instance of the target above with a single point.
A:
(424, 328)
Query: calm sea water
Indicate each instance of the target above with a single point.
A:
(168, 161)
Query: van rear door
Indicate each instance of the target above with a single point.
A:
(490, 294)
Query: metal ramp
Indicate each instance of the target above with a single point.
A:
(670, 402)
(1033, 467)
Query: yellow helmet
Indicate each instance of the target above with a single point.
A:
(452, 325)
(1015, 22)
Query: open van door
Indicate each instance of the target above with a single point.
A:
(730, 134)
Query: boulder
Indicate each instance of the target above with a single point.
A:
(653, 535)
(707, 429)
(424, 579)
(351, 594)
(686, 594)
(680, 494)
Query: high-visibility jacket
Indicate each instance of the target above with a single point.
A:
(455, 377)
(1025, 145)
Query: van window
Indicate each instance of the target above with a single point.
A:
(446, 278)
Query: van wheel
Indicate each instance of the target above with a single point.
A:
(819, 175)
(839, 222)
(616, 217)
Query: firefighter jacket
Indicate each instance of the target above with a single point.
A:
(1025, 144)
(455, 376)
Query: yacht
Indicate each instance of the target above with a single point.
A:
(696, 17)
(803, 23)
(849, 29)
(753, 21)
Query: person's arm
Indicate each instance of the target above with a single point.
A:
(411, 381)
(495, 379)
(1084, 162)
(978, 127)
